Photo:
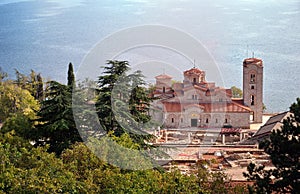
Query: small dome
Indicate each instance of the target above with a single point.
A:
(193, 71)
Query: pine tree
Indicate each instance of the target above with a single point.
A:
(56, 123)
(122, 103)
(106, 84)
(139, 99)
(284, 150)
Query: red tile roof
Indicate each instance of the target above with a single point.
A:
(230, 130)
(255, 61)
(163, 76)
(172, 107)
(226, 107)
(193, 71)
(207, 107)
(167, 92)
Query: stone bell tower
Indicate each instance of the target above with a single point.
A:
(253, 87)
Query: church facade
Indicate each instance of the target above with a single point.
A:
(197, 103)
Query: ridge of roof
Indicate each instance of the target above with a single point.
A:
(283, 114)
(163, 76)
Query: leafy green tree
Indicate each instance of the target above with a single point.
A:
(25, 169)
(3, 75)
(236, 92)
(33, 83)
(284, 150)
(21, 79)
(21, 124)
(86, 166)
(14, 99)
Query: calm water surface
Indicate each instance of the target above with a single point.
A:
(46, 35)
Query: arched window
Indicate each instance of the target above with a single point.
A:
(252, 100)
(252, 78)
(227, 119)
(194, 80)
(164, 89)
(202, 78)
(252, 116)
(172, 120)
(207, 120)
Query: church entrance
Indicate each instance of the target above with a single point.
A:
(193, 122)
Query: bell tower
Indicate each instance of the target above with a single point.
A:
(253, 87)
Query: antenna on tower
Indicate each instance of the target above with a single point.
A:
(252, 54)
(194, 63)
(247, 50)
(164, 71)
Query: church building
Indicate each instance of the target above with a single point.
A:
(197, 103)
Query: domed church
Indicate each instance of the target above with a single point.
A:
(198, 103)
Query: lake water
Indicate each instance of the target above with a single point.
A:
(46, 35)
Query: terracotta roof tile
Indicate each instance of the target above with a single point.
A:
(163, 76)
(193, 71)
(230, 130)
(255, 61)
(172, 107)
(207, 107)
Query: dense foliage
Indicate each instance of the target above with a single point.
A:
(41, 150)
(284, 150)
(236, 92)
(56, 125)
(123, 101)
(25, 169)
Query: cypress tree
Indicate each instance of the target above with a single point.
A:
(71, 76)
(40, 88)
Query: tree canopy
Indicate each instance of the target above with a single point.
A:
(71, 76)
(236, 92)
(41, 150)
(14, 99)
(284, 150)
(56, 125)
(123, 103)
